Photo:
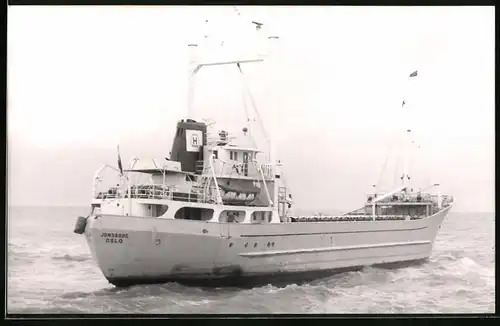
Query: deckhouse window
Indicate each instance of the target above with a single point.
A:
(261, 217)
(233, 155)
(194, 213)
(159, 210)
(231, 216)
(216, 154)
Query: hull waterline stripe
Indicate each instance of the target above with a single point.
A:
(314, 250)
(322, 233)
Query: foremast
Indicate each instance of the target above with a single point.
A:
(405, 177)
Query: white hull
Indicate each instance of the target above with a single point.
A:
(131, 250)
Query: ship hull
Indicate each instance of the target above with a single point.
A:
(246, 281)
(137, 250)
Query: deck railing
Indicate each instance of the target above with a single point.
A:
(236, 169)
(352, 217)
(158, 191)
(412, 198)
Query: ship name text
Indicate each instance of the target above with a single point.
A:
(114, 237)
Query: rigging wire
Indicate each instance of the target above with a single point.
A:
(246, 89)
(385, 163)
(252, 102)
(247, 115)
(425, 180)
(396, 168)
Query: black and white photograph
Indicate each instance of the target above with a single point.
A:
(250, 160)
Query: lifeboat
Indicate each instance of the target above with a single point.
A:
(238, 192)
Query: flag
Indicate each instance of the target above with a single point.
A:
(414, 74)
(258, 25)
(119, 160)
(404, 102)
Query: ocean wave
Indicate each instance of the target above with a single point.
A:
(97, 293)
(68, 257)
(449, 255)
(75, 295)
(194, 303)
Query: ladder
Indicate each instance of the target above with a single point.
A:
(282, 201)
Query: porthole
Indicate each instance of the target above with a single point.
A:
(230, 245)
(269, 244)
(272, 244)
(246, 244)
(255, 245)
(117, 204)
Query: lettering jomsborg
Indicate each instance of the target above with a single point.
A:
(114, 235)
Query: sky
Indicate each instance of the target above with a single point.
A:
(81, 80)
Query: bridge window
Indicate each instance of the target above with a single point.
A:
(232, 216)
(233, 155)
(261, 217)
(158, 210)
(194, 213)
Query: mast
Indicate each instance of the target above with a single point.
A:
(192, 70)
(407, 141)
(406, 165)
(273, 109)
(195, 65)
